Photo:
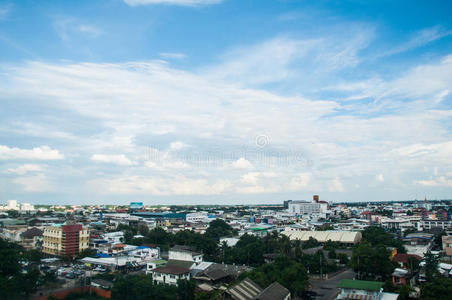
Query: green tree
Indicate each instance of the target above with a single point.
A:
(219, 228)
(311, 243)
(438, 289)
(370, 261)
(431, 266)
(287, 272)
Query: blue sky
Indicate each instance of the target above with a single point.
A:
(225, 102)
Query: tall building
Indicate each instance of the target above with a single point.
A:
(65, 239)
(12, 204)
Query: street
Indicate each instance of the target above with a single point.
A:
(327, 289)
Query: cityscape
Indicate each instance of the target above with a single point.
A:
(225, 150)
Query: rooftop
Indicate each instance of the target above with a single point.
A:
(360, 285)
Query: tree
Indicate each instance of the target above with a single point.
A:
(287, 272)
(377, 236)
(143, 229)
(219, 228)
(343, 259)
(87, 253)
(438, 289)
(332, 254)
(14, 284)
(311, 243)
(404, 292)
(431, 266)
(370, 261)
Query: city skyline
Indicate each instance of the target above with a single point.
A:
(224, 101)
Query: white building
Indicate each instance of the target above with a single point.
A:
(27, 207)
(185, 254)
(12, 204)
(170, 274)
(199, 217)
(307, 208)
(114, 237)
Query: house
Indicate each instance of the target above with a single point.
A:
(170, 274)
(447, 244)
(402, 277)
(274, 291)
(405, 260)
(361, 289)
(244, 290)
(31, 238)
(185, 253)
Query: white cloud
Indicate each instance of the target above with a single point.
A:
(176, 146)
(299, 182)
(336, 185)
(37, 153)
(117, 159)
(21, 170)
(439, 181)
(34, 184)
(159, 186)
(67, 28)
(241, 163)
(172, 2)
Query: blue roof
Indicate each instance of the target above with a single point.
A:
(142, 247)
(102, 255)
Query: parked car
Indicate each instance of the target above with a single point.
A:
(70, 275)
(100, 269)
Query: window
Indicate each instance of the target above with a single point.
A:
(172, 276)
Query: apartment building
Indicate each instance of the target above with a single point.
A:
(65, 239)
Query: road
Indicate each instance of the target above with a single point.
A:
(327, 289)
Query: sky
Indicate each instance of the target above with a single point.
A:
(224, 101)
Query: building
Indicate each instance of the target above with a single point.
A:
(249, 290)
(65, 239)
(362, 289)
(12, 204)
(184, 253)
(31, 238)
(447, 244)
(344, 237)
(27, 207)
(304, 207)
(170, 274)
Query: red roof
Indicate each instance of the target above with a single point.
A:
(403, 258)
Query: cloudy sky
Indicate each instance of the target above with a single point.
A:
(224, 101)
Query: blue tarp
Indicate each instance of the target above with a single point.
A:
(102, 255)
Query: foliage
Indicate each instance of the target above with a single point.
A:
(431, 266)
(219, 228)
(287, 272)
(311, 243)
(330, 245)
(343, 259)
(14, 284)
(371, 261)
(317, 263)
(438, 289)
(249, 250)
(377, 236)
(87, 253)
